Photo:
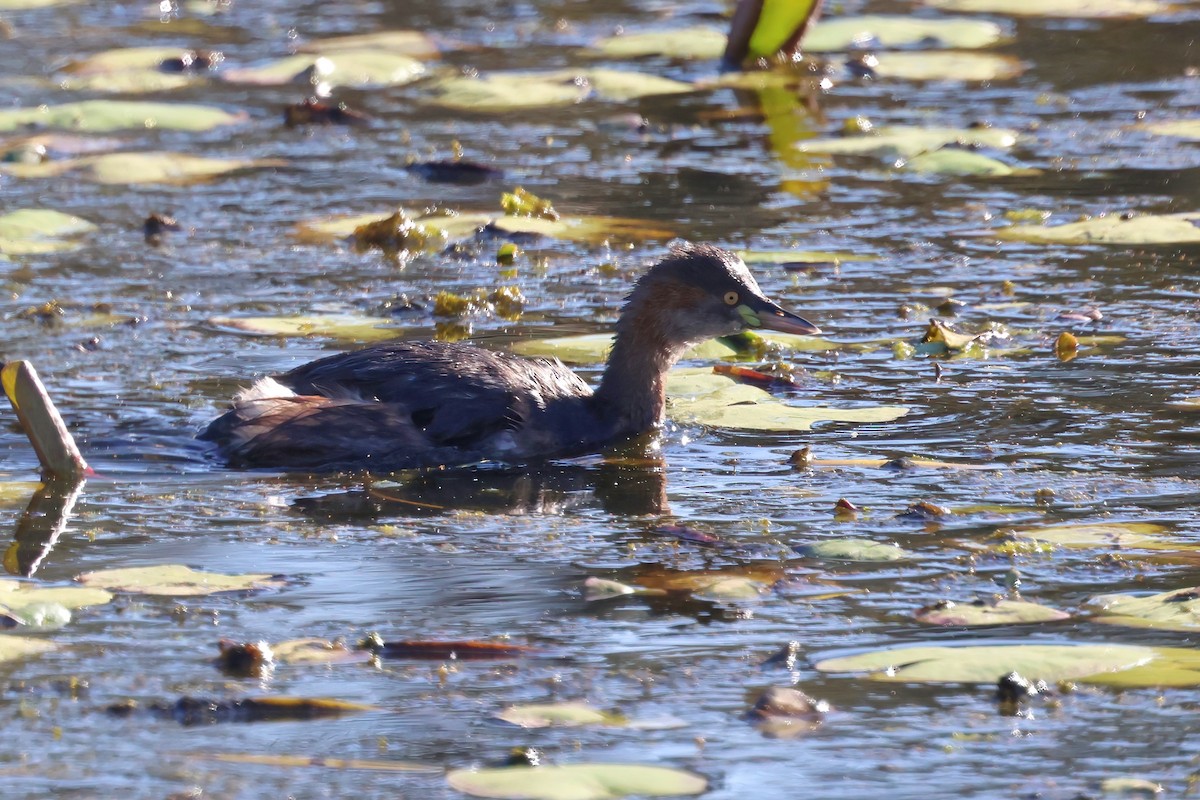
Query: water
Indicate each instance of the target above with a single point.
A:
(508, 554)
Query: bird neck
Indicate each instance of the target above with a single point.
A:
(632, 392)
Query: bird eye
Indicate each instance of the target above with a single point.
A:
(731, 298)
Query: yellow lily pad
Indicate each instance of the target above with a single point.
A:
(505, 91)
(577, 782)
(1177, 610)
(345, 327)
(800, 256)
(39, 230)
(557, 715)
(175, 580)
(593, 348)
(13, 648)
(697, 42)
(113, 115)
(903, 141)
(947, 65)
(317, 651)
(127, 70)
(357, 68)
(698, 396)
(1106, 535)
(17, 492)
(1076, 9)
(891, 31)
(1148, 229)
(140, 168)
(1180, 128)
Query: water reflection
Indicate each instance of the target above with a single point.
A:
(44, 520)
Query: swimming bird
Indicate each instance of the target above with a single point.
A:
(414, 404)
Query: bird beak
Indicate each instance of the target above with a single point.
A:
(765, 314)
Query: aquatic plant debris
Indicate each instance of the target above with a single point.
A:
(104, 116)
(577, 782)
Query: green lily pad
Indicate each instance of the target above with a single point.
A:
(139, 168)
(357, 68)
(577, 782)
(414, 44)
(113, 115)
(13, 648)
(558, 715)
(698, 42)
(1077, 9)
(345, 327)
(17, 594)
(1178, 610)
(998, 612)
(892, 31)
(1149, 229)
(701, 397)
(505, 91)
(176, 580)
(39, 230)
(853, 550)
(127, 70)
(903, 141)
(1180, 128)
(1091, 535)
(39, 615)
(947, 65)
(1094, 663)
(959, 162)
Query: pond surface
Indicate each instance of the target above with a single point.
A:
(1032, 440)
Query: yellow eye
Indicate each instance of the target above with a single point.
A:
(731, 298)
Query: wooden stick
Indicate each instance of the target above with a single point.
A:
(42, 423)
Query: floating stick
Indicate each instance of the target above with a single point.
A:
(40, 420)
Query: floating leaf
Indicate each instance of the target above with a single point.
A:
(1180, 128)
(37, 615)
(317, 651)
(986, 663)
(853, 550)
(357, 68)
(600, 589)
(893, 31)
(1079, 9)
(25, 5)
(39, 230)
(786, 257)
(699, 42)
(175, 579)
(17, 492)
(322, 762)
(904, 141)
(18, 594)
(558, 715)
(114, 115)
(346, 327)
(13, 648)
(1178, 610)
(504, 91)
(1149, 229)
(1090, 535)
(982, 612)
(577, 782)
(128, 70)
(137, 168)
(956, 161)
(698, 396)
(926, 65)
(1131, 787)
(404, 42)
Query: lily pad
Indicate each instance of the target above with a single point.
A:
(800, 256)
(17, 647)
(127, 70)
(892, 31)
(577, 782)
(17, 492)
(981, 612)
(593, 348)
(139, 168)
(1077, 9)
(346, 327)
(1094, 663)
(317, 651)
(505, 91)
(1181, 128)
(959, 162)
(18, 594)
(701, 397)
(600, 589)
(1091, 535)
(1177, 610)
(947, 65)
(903, 141)
(853, 550)
(39, 230)
(1149, 229)
(357, 68)
(321, 762)
(402, 42)
(698, 42)
(103, 116)
(557, 715)
(25, 5)
(175, 580)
